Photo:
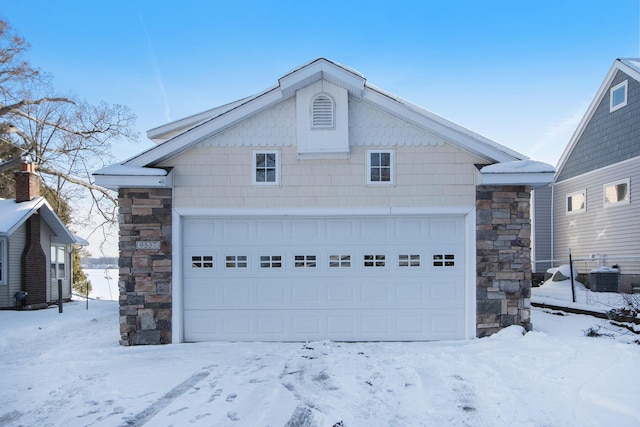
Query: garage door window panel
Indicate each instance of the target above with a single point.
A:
(268, 262)
(409, 260)
(444, 260)
(236, 261)
(375, 261)
(339, 261)
(305, 261)
(199, 262)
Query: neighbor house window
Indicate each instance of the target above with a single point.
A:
(266, 167)
(380, 167)
(616, 193)
(58, 258)
(2, 262)
(576, 202)
(618, 96)
(322, 111)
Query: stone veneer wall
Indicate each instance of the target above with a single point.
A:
(503, 236)
(145, 265)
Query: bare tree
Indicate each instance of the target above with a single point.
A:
(68, 136)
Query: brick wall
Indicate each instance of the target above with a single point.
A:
(34, 264)
(503, 281)
(145, 266)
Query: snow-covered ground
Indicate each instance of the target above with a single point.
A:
(68, 370)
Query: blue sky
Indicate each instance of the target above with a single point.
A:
(519, 72)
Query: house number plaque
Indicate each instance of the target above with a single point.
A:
(147, 245)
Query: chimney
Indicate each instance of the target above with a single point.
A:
(27, 181)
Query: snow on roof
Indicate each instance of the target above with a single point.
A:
(12, 213)
(519, 166)
(124, 170)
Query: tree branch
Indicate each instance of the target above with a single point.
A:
(79, 182)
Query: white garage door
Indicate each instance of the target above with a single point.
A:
(337, 278)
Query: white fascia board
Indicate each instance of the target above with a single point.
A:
(618, 65)
(324, 212)
(115, 182)
(168, 130)
(453, 133)
(535, 179)
(204, 130)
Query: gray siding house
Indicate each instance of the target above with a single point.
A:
(35, 247)
(595, 199)
(322, 208)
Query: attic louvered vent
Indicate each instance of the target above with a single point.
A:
(322, 112)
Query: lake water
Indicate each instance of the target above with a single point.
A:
(104, 283)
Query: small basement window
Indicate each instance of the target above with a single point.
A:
(618, 96)
(576, 202)
(616, 193)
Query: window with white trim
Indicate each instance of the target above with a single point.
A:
(618, 96)
(577, 202)
(322, 111)
(58, 262)
(202, 261)
(380, 167)
(266, 167)
(3, 252)
(236, 261)
(616, 193)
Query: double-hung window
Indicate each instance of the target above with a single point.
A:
(266, 167)
(380, 167)
(58, 262)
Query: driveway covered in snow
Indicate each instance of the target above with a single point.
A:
(68, 369)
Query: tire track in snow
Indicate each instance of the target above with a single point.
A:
(144, 416)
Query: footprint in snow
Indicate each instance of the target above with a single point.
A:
(231, 397)
(233, 416)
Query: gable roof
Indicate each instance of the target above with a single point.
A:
(13, 215)
(629, 66)
(182, 134)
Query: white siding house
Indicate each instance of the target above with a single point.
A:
(321, 208)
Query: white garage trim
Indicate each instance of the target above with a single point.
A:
(179, 216)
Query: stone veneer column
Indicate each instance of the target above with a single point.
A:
(503, 235)
(145, 265)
